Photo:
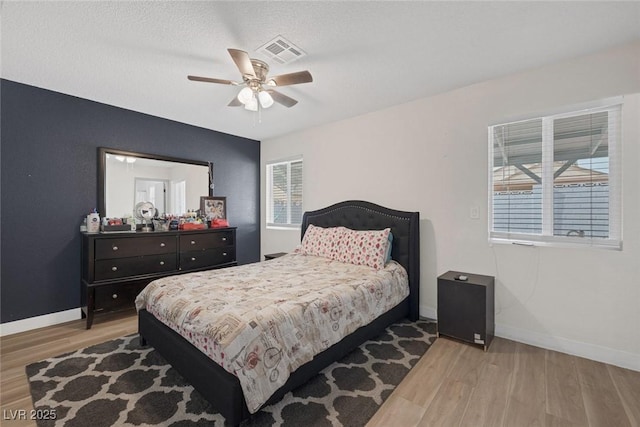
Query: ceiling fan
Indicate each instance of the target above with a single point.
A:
(258, 88)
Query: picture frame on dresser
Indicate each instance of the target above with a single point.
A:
(213, 207)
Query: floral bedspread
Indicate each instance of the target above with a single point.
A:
(262, 321)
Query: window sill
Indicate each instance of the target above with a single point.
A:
(284, 227)
(573, 244)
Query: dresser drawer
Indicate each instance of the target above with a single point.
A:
(130, 247)
(196, 241)
(111, 297)
(207, 258)
(134, 266)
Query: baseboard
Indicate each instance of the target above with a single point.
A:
(36, 322)
(428, 312)
(598, 353)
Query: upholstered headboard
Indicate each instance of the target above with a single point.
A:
(361, 215)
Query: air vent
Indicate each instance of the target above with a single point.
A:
(281, 50)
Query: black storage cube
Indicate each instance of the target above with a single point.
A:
(466, 307)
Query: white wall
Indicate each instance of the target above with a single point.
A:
(197, 178)
(431, 156)
(120, 188)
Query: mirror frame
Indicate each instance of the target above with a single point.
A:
(102, 162)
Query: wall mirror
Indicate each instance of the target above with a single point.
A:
(173, 185)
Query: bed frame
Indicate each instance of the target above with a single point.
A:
(221, 388)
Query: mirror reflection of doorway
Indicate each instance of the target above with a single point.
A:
(152, 190)
(178, 198)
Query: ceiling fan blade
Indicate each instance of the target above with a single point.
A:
(235, 103)
(243, 62)
(292, 78)
(282, 98)
(211, 80)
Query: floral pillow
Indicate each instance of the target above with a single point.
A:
(367, 247)
(324, 242)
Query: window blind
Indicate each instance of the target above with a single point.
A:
(555, 179)
(295, 190)
(284, 193)
(517, 196)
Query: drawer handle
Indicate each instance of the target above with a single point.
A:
(193, 258)
(161, 262)
(193, 242)
(114, 296)
(224, 239)
(224, 254)
(114, 268)
(115, 248)
(162, 245)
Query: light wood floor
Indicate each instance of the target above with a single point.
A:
(511, 385)
(19, 350)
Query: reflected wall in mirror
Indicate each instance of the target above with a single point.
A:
(173, 185)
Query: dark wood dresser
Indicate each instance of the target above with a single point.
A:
(117, 266)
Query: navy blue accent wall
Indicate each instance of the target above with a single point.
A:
(49, 182)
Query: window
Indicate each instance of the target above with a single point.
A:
(284, 193)
(179, 197)
(556, 179)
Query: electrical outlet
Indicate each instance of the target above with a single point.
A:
(474, 212)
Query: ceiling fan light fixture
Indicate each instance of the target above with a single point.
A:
(251, 104)
(125, 159)
(265, 99)
(257, 91)
(245, 95)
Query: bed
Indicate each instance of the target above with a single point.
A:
(223, 389)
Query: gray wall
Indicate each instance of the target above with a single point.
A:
(49, 182)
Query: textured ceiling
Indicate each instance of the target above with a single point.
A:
(364, 56)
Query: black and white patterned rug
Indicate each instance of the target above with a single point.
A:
(119, 383)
